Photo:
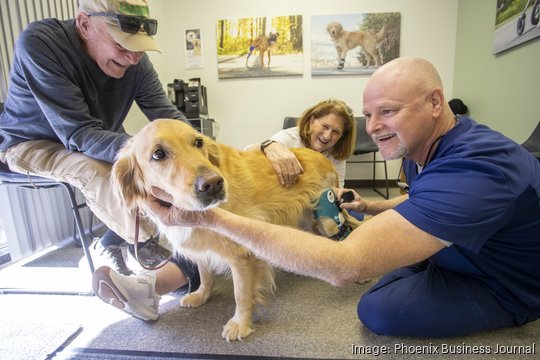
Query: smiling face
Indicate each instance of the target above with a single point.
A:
(397, 125)
(326, 131)
(100, 46)
(403, 104)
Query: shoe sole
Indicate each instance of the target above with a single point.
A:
(105, 289)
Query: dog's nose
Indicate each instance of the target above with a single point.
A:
(211, 184)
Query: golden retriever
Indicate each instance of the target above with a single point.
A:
(193, 39)
(265, 44)
(347, 40)
(200, 174)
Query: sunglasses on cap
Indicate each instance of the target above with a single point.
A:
(131, 24)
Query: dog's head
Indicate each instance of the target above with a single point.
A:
(272, 38)
(334, 29)
(173, 156)
(191, 36)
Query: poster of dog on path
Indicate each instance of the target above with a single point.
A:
(353, 43)
(260, 47)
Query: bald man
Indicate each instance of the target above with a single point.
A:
(458, 254)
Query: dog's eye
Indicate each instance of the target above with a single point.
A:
(159, 154)
(199, 142)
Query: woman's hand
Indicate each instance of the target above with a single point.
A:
(284, 162)
(357, 204)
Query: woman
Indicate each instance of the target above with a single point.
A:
(327, 127)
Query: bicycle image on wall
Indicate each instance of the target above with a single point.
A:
(517, 22)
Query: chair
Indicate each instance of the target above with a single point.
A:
(365, 145)
(532, 144)
(289, 122)
(10, 178)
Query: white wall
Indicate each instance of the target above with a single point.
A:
(250, 110)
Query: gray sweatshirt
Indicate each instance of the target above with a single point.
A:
(57, 92)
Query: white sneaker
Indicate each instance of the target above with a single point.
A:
(135, 295)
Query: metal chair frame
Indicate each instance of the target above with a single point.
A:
(10, 178)
(532, 144)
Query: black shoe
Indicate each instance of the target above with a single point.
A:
(151, 253)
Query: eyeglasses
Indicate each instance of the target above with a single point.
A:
(341, 104)
(131, 24)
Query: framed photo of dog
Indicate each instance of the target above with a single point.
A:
(260, 47)
(353, 44)
(193, 54)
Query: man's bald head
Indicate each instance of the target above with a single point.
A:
(411, 75)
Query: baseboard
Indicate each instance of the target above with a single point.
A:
(368, 183)
(116, 354)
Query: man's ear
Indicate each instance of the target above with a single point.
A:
(83, 25)
(437, 101)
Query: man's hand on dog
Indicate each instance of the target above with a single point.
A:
(160, 204)
(285, 163)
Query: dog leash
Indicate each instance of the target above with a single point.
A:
(144, 266)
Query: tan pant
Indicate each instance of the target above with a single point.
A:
(92, 177)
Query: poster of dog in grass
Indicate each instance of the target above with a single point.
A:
(353, 43)
(260, 47)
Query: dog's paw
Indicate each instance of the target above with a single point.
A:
(326, 226)
(194, 299)
(233, 331)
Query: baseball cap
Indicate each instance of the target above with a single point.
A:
(140, 41)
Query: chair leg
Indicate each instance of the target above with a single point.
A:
(80, 227)
(386, 179)
(374, 171)
(387, 196)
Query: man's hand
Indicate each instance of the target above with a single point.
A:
(160, 205)
(284, 163)
(357, 204)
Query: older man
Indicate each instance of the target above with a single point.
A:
(459, 253)
(72, 85)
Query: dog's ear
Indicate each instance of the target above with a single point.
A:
(126, 178)
(213, 152)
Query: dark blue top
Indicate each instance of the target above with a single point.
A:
(57, 92)
(481, 192)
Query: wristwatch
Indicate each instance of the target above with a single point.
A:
(265, 143)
